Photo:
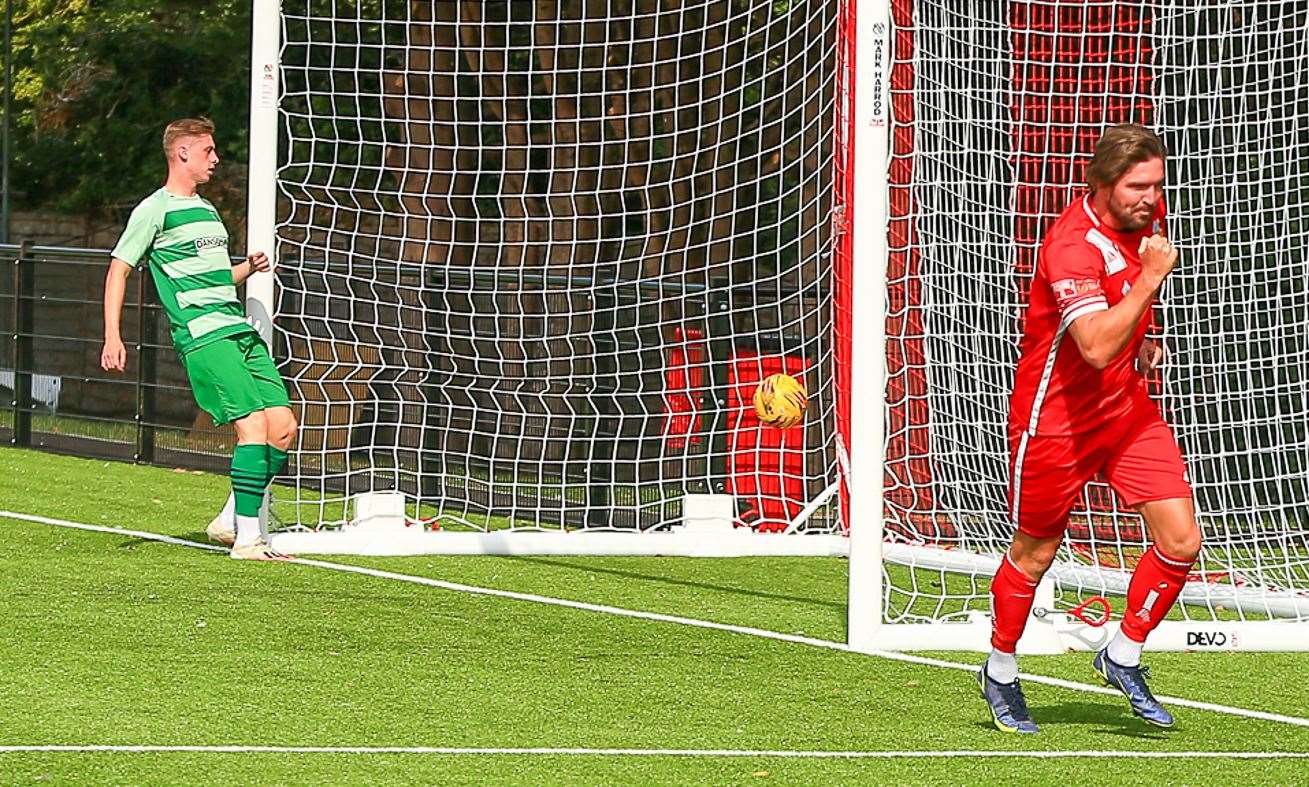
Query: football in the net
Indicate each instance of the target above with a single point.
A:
(780, 401)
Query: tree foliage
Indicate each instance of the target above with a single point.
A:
(95, 82)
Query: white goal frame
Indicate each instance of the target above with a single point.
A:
(1050, 632)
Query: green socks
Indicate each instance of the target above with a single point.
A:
(276, 461)
(250, 477)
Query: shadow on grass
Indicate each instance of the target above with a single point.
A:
(664, 580)
(1110, 717)
(199, 537)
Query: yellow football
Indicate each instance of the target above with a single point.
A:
(780, 401)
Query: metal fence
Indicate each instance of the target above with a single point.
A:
(59, 399)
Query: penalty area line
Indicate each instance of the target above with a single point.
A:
(662, 618)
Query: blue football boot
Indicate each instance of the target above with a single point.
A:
(1131, 682)
(1008, 708)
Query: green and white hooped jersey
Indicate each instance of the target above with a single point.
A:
(185, 244)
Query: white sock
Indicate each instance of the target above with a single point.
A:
(228, 514)
(247, 530)
(1002, 667)
(1125, 652)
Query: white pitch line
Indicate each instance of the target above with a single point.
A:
(544, 751)
(656, 616)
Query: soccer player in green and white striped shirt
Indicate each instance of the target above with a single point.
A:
(178, 235)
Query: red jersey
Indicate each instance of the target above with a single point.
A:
(1084, 266)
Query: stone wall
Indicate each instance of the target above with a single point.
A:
(46, 228)
(43, 228)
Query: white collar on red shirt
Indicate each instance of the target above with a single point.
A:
(1086, 206)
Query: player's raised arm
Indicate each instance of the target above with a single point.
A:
(1102, 335)
(113, 358)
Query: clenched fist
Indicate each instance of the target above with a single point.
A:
(1158, 256)
(259, 262)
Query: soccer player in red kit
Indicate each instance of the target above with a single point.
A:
(1079, 407)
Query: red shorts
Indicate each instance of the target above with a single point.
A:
(1142, 463)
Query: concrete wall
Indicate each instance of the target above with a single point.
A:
(43, 228)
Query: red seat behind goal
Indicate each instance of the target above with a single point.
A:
(766, 466)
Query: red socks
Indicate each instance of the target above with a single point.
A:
(1011, 602)
(1156, 583)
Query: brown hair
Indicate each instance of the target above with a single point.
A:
(186, 127)
(1120, 148)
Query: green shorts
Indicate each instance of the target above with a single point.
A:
(233, 377)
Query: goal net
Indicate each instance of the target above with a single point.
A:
(995, 109)
(535, 257)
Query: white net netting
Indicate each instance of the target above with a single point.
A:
(536, 256)
(996, 109)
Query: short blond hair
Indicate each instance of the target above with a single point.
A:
(186, 127)
(1120, 148)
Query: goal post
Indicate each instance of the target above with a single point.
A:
(866, 94)
(532, 259)
(261, 204)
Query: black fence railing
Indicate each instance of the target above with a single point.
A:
(53, 393)
(55, 396)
